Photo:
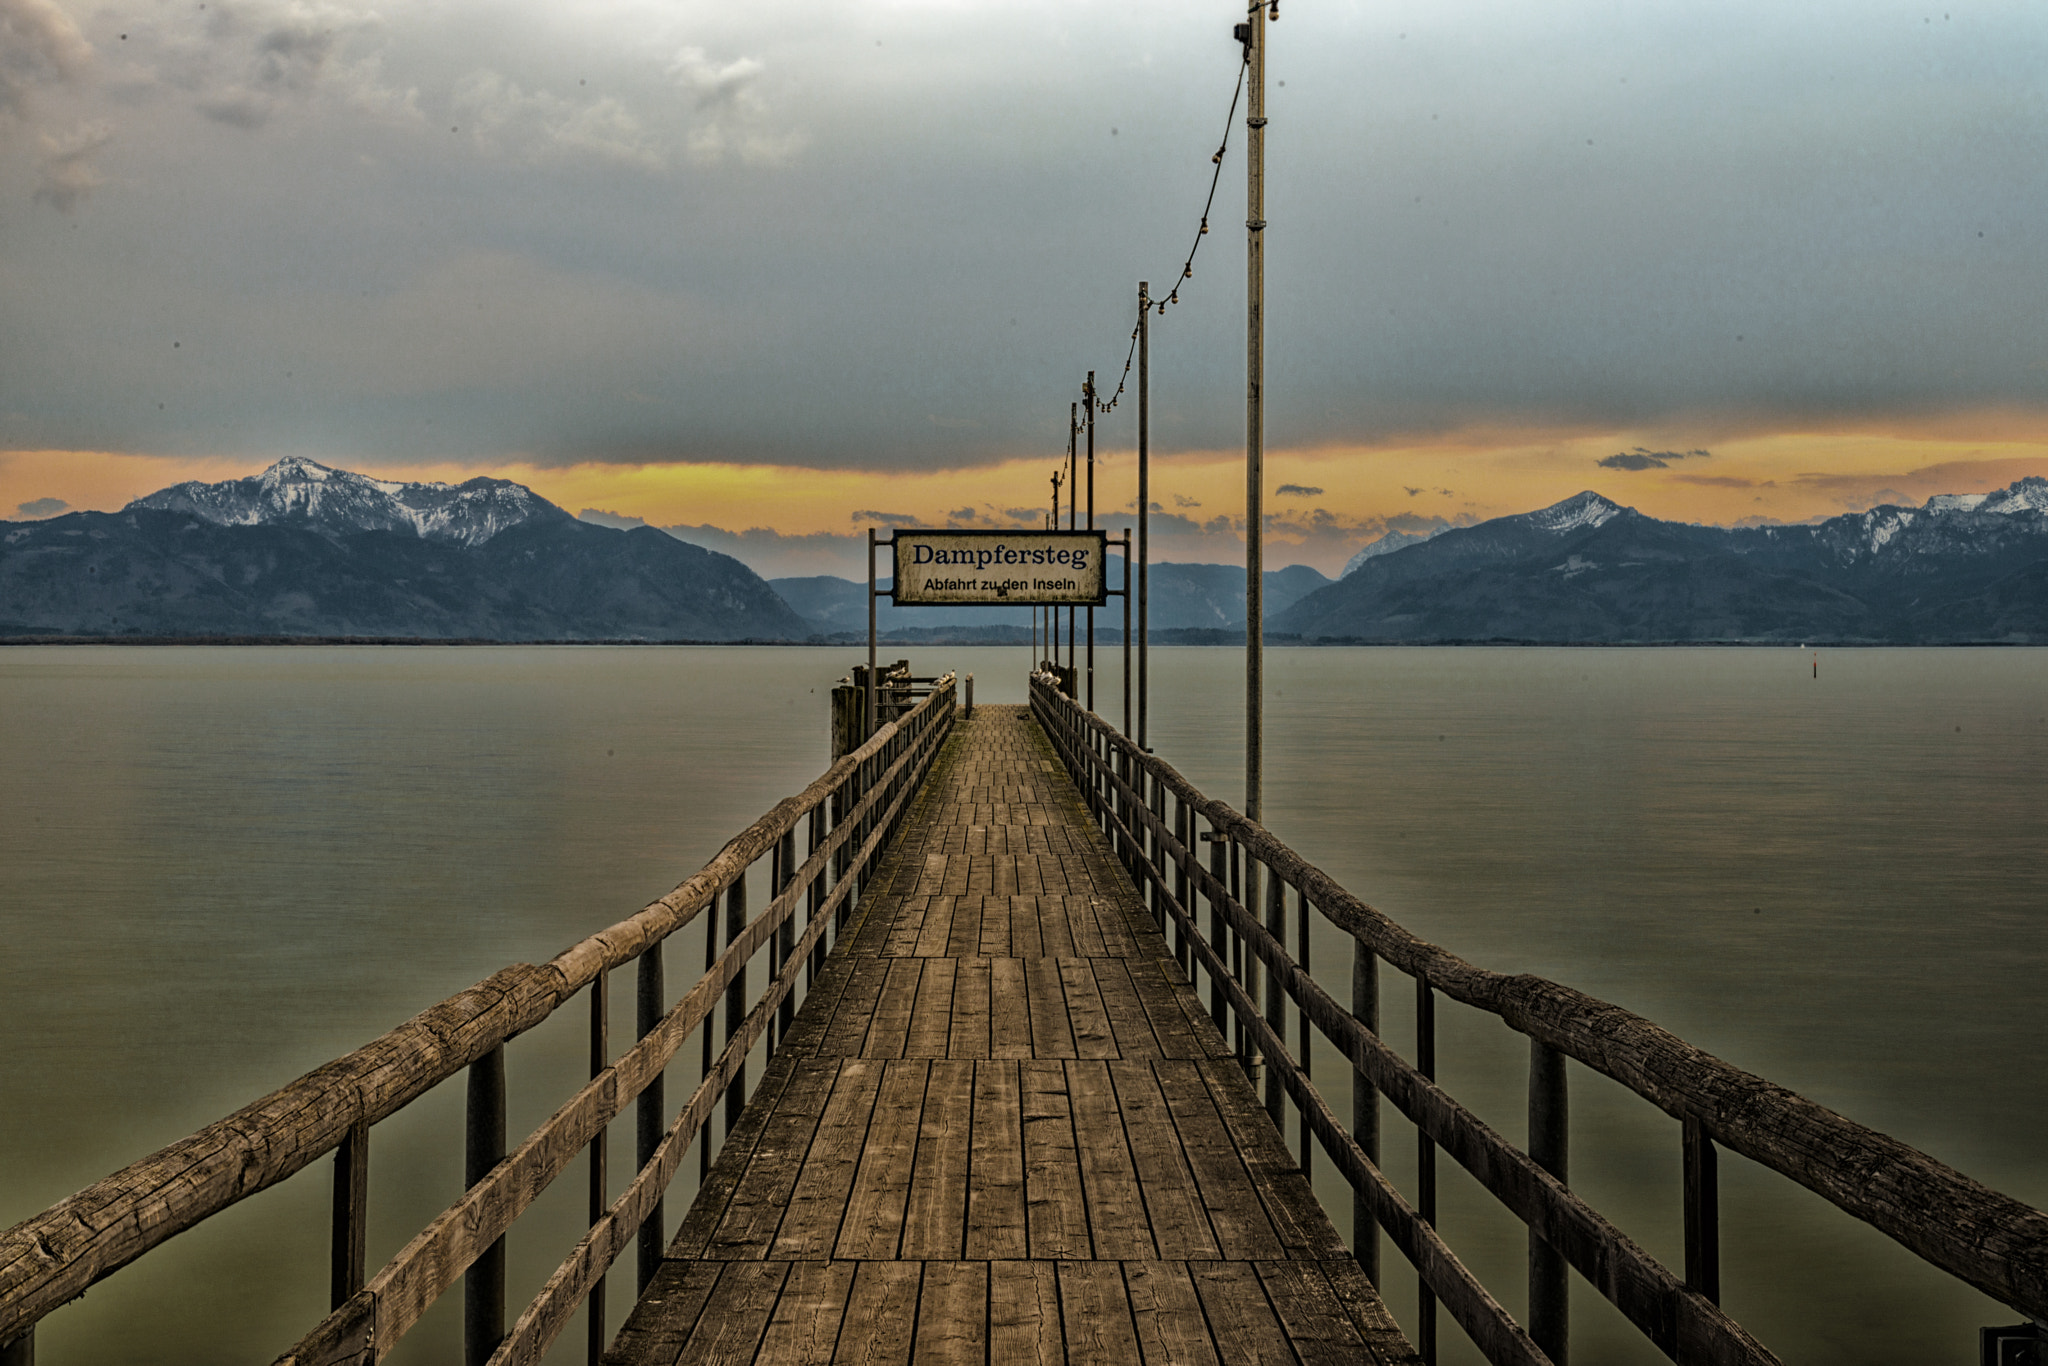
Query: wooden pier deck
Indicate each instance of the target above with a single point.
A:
(1002, 1129)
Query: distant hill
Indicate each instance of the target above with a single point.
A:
(304, 550)
(1184, 597)
(1962, 568)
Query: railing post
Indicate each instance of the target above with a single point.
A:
(1276, 997)
(1219, 869)
(736, 997)
(1425, 1166)
(647, 1114)
(483, 1285)
(1301, 1025)
(351, 1216)
(815, 902)
(21, 1351)
(1702, 1212)
(1549, 1132)
(600, 1058)
(1365, 1107)
(1184, 831)
(785, 934)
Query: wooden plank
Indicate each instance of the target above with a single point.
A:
(1117, 1222)
(1235, 1210)
(818, 1203)
(854, 1010)
(877, 1330)
(993, 941)
(1178, 1020)
(1054, 1203)
(963, 940)
(1129, 1026)
(1024, 1315)
(736, 1315)
(935, 1218)
(995, 1184)
(1052, 1036)
(1027, 935)
(1096, 1314)
(1304, 1230)
(873, 1226)
(1180, 1222)
(1009, 1010)
(1244, 1325)
(931, 1016)
(1167, 1315)
(930, 941)
(1055, 933)
(740, 1206)
(666, 1315)
(804, 1330)
(891, 1023)
(952, 1314)
(969, 1026)
(1086, 1013)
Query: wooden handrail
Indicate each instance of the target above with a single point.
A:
(1989, 1240)
(53, 1257)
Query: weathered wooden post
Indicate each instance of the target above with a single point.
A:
(1702, 1211)
(1365, 1106)
(1183, 831)
(1219, 869)
(600, 1058)
(649, 1007)
(351, 1216)
(736, 998)
(1549, 1146)
(785, 934)
(21, 1351)
(815, 901)
(1425, 1165)
(967, 712)
(1276, 999)
(483, 1285)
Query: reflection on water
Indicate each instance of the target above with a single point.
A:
(222, 867)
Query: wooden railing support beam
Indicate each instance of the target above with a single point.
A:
(483, 1285)
(650, 1006)
(351, 1216)
(1549, 1148)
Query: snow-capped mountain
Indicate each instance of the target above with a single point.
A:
(308, 493)
(1962, 567)
(1385, 545)
(303, 550)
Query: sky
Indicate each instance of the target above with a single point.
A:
(772, 273)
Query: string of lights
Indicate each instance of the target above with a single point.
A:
(1187, 268)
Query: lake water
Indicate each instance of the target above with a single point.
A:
(221, 867)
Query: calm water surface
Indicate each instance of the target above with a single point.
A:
(221, 867)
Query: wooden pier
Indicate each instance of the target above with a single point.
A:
(1003, 1129)
(1010, 976)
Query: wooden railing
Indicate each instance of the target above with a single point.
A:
(847, 815)
(1157, 820)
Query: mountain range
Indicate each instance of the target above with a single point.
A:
(1962, 568)
(302, 550)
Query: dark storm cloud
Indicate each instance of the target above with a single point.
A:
(748, 233)
(1640, 459)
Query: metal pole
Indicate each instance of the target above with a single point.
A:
(1088, 389)
(1144, 494)
(1073, 487)
(1255, 421)
(871, 638)
(1127, 635)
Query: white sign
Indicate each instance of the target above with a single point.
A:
(1009, 568)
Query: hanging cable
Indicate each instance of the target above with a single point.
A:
(1187, 266)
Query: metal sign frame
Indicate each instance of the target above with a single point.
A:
(1102, 539)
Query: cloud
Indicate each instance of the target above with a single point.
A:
(617, 521)
(1641, 459)
(39, 45)
(886, 518)
(539, 126)
(42, 507)
(1298, 491)
(731, 115)
(1181, 500)
(773, 555)
(1722, 481)
(65, 175)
